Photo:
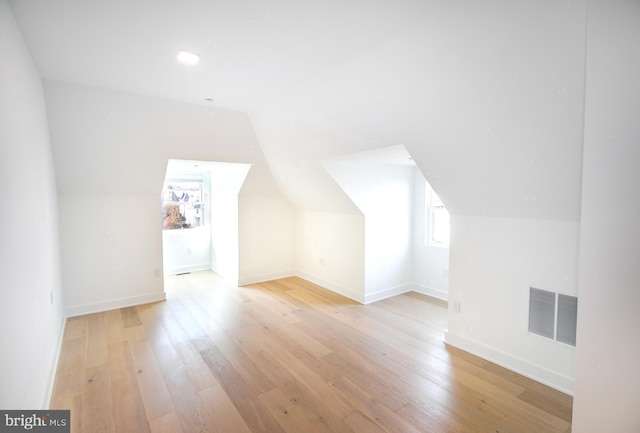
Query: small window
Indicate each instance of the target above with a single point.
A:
(182, 204)
(438, 221)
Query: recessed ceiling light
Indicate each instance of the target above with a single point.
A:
(208, 99)
(188, 58)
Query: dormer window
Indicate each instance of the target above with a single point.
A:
(182, 204)
(438, 221)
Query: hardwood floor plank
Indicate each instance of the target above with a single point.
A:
(222, 411)
(254, 413)
(74, 404)
(288, 414)
(389, 397)
(230, 356)
(156, 398)
(389, 359)
(127, 405)
(136, 333)
(181, 336)
(189, 409)
(192, 413)
(115, 327)
(290, 336)
(325, 413)
(97, 404)
(426, 420)
(560, 406)
(96, 351)
(277, 306)
(168, 423)
(68, 382)
(375, 412)
(359, 423)
(130, 317)
(283, 356)
(76, 327)
(305, 376)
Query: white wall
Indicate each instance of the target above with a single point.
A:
(264, 223)
(384, 194)
(110, 151)
(487, 97)
(294, 142)
(111, 251)
(31, 319)
(494, 261)
(430, 263)
(226, 181)
(186, 250)
(607, 391)
(266, 230)
(330, 251)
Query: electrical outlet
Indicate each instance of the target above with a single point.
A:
(322, 262)
(456, 306)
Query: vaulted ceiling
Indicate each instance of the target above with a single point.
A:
(487, 97)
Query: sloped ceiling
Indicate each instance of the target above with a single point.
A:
(487, 97)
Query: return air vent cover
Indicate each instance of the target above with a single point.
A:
(567, 319)
(553, 315)
(542, 312)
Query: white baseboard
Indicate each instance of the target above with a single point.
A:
(187, 268)
(434, 293)
(80, 310)
(341, 290)
(388, 293)
(45, 403)
(244, 281)
(539, 374)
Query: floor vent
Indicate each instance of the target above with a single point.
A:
(553, 315)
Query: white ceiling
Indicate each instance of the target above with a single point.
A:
(251, 50)
(487, 97)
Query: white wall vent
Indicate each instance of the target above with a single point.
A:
(553, 315)
(567, 319)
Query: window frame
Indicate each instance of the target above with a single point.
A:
(165, 204)
(434, 207)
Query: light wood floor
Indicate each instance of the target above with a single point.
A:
(287, 356)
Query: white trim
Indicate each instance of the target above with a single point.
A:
(434, 293)
(387, 293)
(187, 268)
(539, 374)
(45, 403)
(98, 307)
(244, 281)
(337, 288)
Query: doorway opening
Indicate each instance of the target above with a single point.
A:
(199, 211)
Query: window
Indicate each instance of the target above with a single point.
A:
(182, 204)
(438, 221)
